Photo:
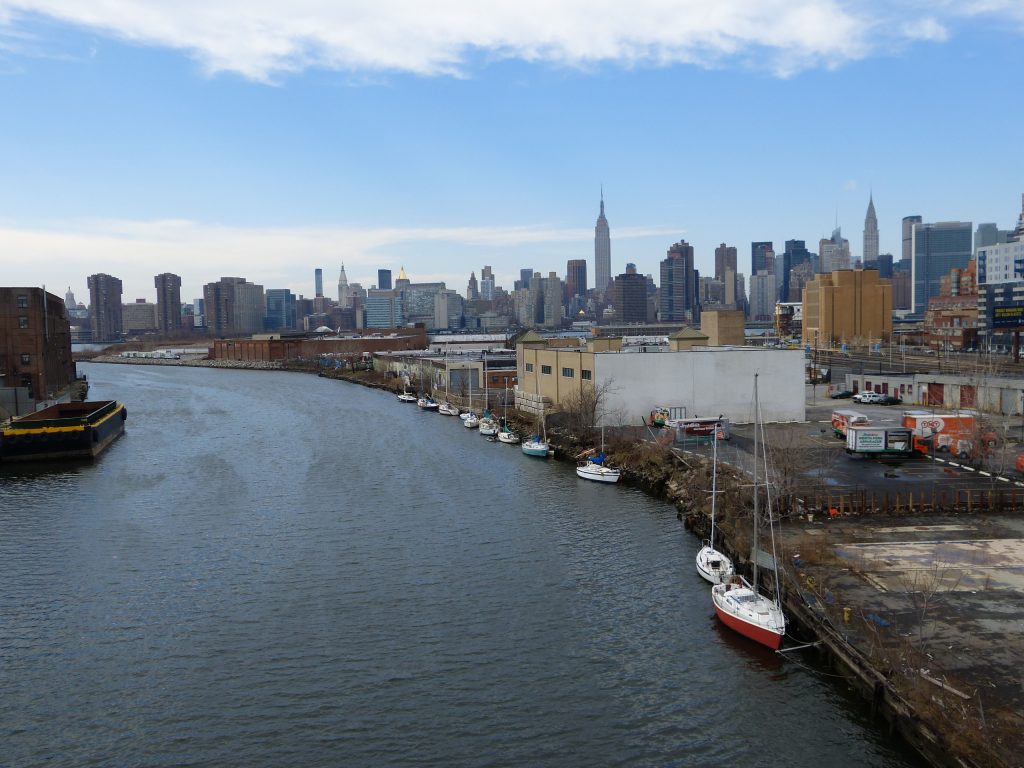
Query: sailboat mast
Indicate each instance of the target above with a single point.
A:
(714, 485)
(757, 414)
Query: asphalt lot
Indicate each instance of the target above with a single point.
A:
(811, 450)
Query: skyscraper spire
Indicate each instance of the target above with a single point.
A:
(602, 251)
(343, 293)
(870, 233)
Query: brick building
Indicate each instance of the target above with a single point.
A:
(35, 349)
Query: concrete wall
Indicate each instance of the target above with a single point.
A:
(708, 381)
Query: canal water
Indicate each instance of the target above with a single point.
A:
(276, 569)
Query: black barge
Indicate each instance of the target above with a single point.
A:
(63, 431)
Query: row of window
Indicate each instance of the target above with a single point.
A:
(569, 373)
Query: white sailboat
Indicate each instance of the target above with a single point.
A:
(595, 468)
(738, 603)
(712, 565)
(447, 408)
(488, 425)
(505, 434)
(537, 445)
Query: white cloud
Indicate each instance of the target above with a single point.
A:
(263, 39)
(135, 251)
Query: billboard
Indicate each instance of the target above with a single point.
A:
(1008, 316)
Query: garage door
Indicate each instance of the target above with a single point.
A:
(935, 394)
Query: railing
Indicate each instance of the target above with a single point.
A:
(912, 502)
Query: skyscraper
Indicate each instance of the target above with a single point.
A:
(759, 255)
(105, 307)
(937, 249)
(487, 283)
(834, 252)
(908, 236)
(525, 276)
(630, 296)
(870, 233)
(678, 285)
(344, 297)
(281, 309)
(318, 277)
(725, 258)
(576, 279)
(233, 306)
(472, 290)
(602, 251)
(384, 279)
(168, 302)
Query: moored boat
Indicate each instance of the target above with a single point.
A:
(427, 404)
(63, 431)
(488, 426)
(738, 603)
(447, 409)
(595, 469)
(537, 446)
(406, 397)
(470, 420)
(712, 565)
(741, 608)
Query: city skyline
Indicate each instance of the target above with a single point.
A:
(268, 150)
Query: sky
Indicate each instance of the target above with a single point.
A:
(262, 139)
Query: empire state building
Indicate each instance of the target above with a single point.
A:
(602, 252)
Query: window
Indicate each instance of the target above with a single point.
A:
(568, 373)
(529, 367)
(23, 322)
(22, 301)
(545, 369)
(586, 375)
(26, 359)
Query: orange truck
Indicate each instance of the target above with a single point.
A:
(955, 433)
(842, 420)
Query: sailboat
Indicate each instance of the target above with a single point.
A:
(447, 408)
(488, 425)
(505, 434)
(712, 565)
(470, 415)
(738, 603)
(594, 468)
(537, 445)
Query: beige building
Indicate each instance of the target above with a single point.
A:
(847, 306)
(723, 327)
(686, 373)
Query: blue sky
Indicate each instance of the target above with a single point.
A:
(264, 139)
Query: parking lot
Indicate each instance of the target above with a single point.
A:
(810, 449)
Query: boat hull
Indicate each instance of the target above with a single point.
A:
(65, 431)
(598, 473)
(536, 448)
(713, 566)
(768, 636)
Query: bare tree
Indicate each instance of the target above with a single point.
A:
(584, 409)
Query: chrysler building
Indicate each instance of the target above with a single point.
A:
(870, 235)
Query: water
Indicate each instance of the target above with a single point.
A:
(276, 569)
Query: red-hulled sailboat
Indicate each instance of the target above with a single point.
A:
(738, 603)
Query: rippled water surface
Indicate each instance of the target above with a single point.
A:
(275, 569)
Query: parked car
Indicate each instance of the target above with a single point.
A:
(868, 397)
(841, 394)
(891, 400)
